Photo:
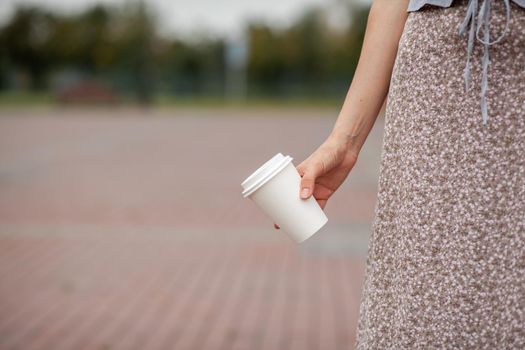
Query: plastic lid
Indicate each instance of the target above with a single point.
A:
(265, 172)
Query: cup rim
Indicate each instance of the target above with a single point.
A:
(266, 172)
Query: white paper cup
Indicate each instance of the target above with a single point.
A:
(274, 188)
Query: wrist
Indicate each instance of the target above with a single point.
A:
(348, 140)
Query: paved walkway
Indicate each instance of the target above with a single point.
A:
(124, 229)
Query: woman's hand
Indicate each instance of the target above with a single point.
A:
(326, 169)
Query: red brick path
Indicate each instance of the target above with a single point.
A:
(123, 229)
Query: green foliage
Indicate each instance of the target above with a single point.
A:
(122, 45)
(308, 58)
(24, 40)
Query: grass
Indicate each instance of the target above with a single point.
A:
(13, 99)
(46, 99)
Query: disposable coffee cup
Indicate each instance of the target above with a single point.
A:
(274, 187)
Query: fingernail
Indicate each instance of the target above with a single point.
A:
(304, 192)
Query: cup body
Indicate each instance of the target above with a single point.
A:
(275, 190)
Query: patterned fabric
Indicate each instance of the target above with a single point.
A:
(482, 21)
(446, 260)
(415, 5)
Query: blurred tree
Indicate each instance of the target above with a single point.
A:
(309, 35)
(135, 37)
(24, 43)
(307, 58)
(192, 68)
(265, 64)
(122, 44)
(345, 47)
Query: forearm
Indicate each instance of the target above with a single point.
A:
(371, 80)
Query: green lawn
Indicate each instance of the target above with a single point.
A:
(45, 99)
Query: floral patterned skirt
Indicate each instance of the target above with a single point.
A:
(446, 262)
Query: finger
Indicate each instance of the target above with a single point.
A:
(321, 191)
(308, 181)
(300, 169)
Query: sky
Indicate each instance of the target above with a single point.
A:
(189, 17)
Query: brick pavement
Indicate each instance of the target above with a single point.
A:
(125, 229)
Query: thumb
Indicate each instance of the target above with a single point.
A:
(308, 182)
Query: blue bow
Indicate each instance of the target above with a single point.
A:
(483, 20)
